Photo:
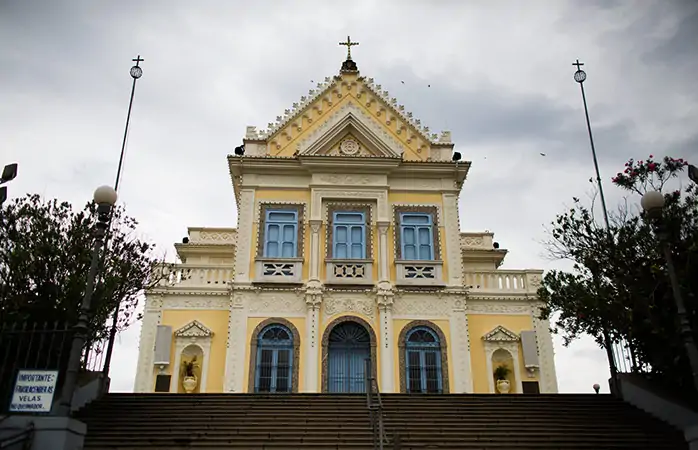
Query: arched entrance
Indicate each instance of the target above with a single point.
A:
(347, 344)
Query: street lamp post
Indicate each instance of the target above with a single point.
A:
(105, 198)
(580, 76)
(136, 72)
(653, 204)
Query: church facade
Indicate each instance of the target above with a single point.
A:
(347, 248)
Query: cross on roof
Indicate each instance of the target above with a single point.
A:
(138, 60)
(578, 64)
(349, 44)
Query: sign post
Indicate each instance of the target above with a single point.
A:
(33, 392)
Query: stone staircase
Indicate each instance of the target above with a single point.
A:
(322, 421)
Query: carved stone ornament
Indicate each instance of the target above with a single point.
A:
(349, 147)
(194, 329)
(500, 334)
(334, 306)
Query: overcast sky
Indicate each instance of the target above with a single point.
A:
(501, 80)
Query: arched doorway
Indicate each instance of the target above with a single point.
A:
(348, 348)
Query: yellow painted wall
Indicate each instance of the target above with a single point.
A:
(399, 325)
(281, 195)
(284, 141)
(478, 326)
(252, 322)
(217, 322)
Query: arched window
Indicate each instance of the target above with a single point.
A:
(423, 361)
(274, 360)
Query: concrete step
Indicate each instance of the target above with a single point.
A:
(315, 421)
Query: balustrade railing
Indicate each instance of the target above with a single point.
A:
(503, 281)
(197, 275)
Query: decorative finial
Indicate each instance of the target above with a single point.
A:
(349, 44)
(349, 66)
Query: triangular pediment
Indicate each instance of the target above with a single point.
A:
(194, 329)
(372, 108)
(500, 334)
(349, 131)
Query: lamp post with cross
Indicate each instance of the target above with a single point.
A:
(579, 77)
(136, 72)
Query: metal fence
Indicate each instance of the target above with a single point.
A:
(626, 360)
(40, 346)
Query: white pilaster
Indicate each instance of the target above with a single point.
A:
(243, 244)
(387, 345)
(460, 351)
(315, 225)
(235, 351)
(312, 320)
(451, 226)
(383, 273)
(152, 316)
(546, 353)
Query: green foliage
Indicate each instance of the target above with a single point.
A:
(501, 372)
(45, 254)
(620, 280)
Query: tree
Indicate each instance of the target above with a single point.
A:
(45, 254)
(620, 281)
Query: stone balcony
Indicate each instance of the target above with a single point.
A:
(503, 281)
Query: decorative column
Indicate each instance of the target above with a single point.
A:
(313, 301)
(384, 299)
(460, 347)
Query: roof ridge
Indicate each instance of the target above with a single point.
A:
(407, 116)
(322, 87)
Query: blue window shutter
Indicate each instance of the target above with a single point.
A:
(274, 360)
(349, 235)
(417, 236)
(423, 371)
(281, 234)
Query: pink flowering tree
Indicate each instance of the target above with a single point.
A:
(619, 282)
(645, 175)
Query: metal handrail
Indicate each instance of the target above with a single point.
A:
(375, 408)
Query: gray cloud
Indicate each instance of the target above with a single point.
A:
(500, 75)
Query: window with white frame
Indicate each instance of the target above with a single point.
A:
(348, 235)
(280, 234)
(416, 236)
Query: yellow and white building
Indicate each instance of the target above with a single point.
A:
(347, 247)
